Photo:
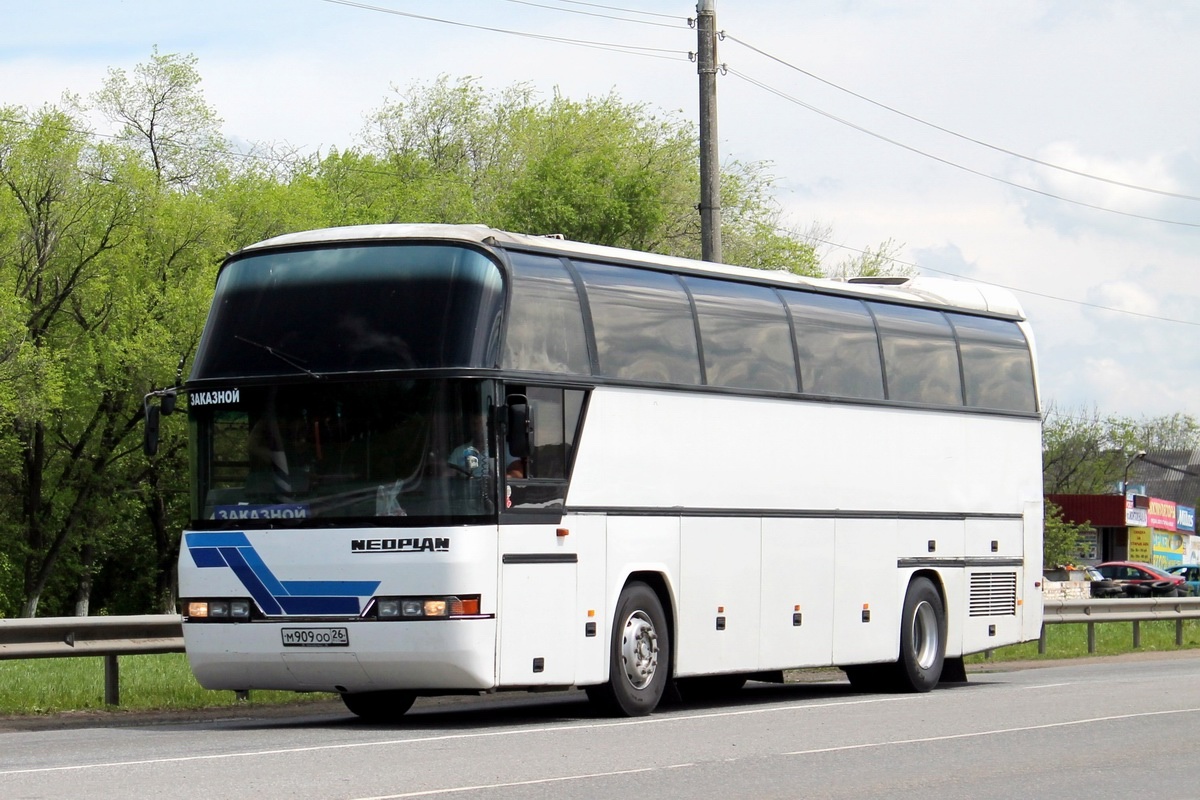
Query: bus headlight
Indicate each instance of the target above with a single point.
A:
(223, 610)
(440, 607)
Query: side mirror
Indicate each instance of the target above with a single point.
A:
(520, 426)
(168, 402)
(150, 433)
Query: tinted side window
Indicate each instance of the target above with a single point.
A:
(997, 367)
(539, 482)
(837, 345)
(545, 326)
(744, 330)
(643, 323)
(919, 355)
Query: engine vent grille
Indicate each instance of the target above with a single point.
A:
(993, 594)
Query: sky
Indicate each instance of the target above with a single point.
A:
(1049, 147)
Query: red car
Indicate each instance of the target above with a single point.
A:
(1142, 580)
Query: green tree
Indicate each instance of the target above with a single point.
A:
(1084, 452)
(1060, 540)
(161, 113)
(600, 170)
(60, 231)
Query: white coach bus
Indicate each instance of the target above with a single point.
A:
(433, 459)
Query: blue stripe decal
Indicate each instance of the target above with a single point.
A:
(217, 540)
(255, 562)
(259, 592)
(207, 557)
(330, 588)
(342, 606)
(235, 552)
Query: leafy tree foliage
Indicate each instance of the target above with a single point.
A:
(1084, 452)
(1060, 540)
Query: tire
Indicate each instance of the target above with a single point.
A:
(379, 706)
(922, 638)
(639, 656)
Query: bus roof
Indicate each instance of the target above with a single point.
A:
(935, 291)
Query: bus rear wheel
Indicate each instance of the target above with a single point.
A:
(922, 647)
(922, 638)
(379, 706)
(639, 656)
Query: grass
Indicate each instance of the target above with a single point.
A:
(164, 682)
(1112, 638)
(147, 683)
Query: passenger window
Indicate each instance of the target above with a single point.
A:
(643, 323)
(920, 359)
(545, 325)
(997, 366)
(837, 346)
(745, 336)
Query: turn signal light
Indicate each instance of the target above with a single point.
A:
(441, 607)
(224, 610)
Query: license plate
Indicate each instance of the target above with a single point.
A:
(316, 637)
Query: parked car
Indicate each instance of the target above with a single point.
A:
(1191, 576)
(1137, 579)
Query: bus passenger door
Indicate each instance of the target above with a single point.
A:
(538, 626)
(536, 617)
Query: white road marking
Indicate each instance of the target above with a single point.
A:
(993, 732)
(656, 720)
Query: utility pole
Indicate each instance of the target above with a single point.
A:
(710, 167)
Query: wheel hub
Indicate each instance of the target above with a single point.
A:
(639, 649)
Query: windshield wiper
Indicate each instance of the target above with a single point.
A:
(290, 360)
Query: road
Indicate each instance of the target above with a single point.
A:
(1090, 728)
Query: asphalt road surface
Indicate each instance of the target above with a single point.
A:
(1092, 728)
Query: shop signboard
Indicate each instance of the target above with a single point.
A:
(1168, 549)
(1141, 545)
(1137, 517)
(1162, 514)
(1191, 553)
(1185, 519)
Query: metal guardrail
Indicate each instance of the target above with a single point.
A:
(1126, 609)
(109, 637)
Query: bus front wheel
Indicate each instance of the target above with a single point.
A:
(379, 706)
(640, 655)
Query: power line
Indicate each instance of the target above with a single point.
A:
(964, 137)
(593, 14)
(624, 10)
(653, 52)
(947, 162)
(1042, 295)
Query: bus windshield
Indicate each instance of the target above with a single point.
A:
(401, 452)
(351, 308)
